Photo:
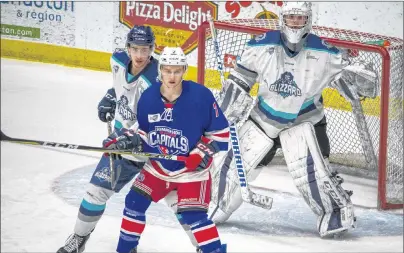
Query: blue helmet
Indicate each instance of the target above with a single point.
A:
(140, 35)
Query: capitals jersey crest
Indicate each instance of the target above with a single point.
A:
(167, 115)
(286, 86)
(124, 110)
(168, 141)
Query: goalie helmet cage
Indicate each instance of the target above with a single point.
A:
(383, 115)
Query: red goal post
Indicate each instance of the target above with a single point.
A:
(384, 114)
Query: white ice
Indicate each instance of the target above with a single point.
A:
(41, 188)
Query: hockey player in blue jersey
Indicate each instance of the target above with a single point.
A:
(175, 117)
(292, 67)
(133, 72)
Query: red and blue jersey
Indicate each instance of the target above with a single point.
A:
(176, 128)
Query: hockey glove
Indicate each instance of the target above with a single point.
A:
(236, 101)
(107, 105)
(109, 143)
(128, 140)
(201, 157)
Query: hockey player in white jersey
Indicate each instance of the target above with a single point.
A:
(134, 70)
(292, 67)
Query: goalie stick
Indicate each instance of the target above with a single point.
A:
(140, 155)
(217, 52)
(246, 193)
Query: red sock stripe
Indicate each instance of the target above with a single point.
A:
(132, 225)
(205, 234)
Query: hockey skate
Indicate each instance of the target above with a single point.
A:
(75, 244)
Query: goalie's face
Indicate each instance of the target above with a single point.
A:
(172, 75)
(295, 21)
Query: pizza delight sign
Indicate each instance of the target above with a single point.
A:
(173, 23)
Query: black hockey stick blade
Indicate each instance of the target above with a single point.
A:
(4, 137)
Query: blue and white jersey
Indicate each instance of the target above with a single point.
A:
(128, 88)
(176, 128)
(290, 86)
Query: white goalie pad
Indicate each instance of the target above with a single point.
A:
(311, 174)
(226, 197)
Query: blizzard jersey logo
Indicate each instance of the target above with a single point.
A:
(168, 141)
(104, 174)
(286, 86)
(124, 110)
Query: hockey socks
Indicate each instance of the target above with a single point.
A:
(204, 230)
(133, 221)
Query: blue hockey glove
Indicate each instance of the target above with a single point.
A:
(109, 143)
(128, 140)
(107, 105)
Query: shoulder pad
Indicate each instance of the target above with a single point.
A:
(315, 43)
(120, 57)
(268, 38)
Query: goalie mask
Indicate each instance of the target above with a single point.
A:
(295, 22)
(172, 56)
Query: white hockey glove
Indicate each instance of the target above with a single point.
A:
(236, 101)
(357, 80)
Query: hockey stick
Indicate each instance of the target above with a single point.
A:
(246, 193)
(111, 161)
(140, 155)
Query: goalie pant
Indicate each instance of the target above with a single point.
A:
(320, 188)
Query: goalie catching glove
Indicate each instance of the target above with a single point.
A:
(200, 158)
(357, 80)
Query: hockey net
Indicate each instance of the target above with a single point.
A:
(382, 117)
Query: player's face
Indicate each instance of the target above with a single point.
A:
(295, 21)
(172, 75)
(140, 55)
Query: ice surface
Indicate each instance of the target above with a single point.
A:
(41, 188)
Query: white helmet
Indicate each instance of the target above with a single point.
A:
(294, 37)
(173, 56)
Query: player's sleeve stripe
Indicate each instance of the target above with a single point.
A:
(223, 133)
(219, 136)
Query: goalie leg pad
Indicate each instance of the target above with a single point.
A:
(226, 197)
(311, 174)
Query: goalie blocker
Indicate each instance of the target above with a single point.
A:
(305, 160)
